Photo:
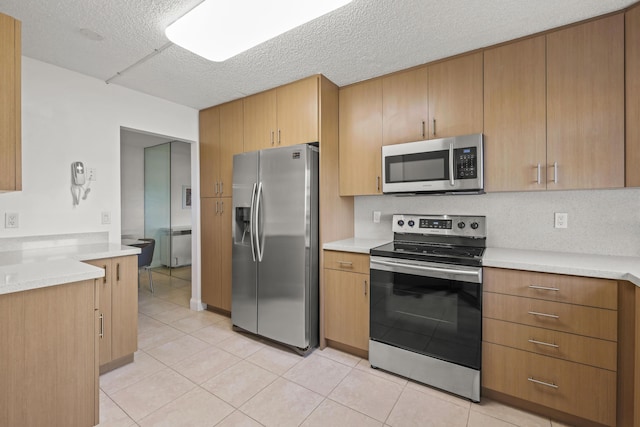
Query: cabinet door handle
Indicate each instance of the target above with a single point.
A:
(347, 263)
(538, 180)
(533, 380)
(104, 279)
(434, 127)
(117, 272)
(221, 207)
(535, 313)
(555, 172)
(221, 187)
(272, 140)
(532, 341)
(544, 288)
(423, 128)
(217, 207)
(101, 334)
(279, 141)
(378, 182)
(216, 187)
(365, 288)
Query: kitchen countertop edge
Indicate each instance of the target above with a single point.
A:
(354, 244)
(588, 265)
(39, 268)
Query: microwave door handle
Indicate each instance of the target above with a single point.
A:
(451, 178)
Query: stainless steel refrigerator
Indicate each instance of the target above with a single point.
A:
(275, 245)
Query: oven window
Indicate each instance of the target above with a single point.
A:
(436, 317)
(430, 166)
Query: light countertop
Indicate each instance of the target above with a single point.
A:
(588, 265)
(22, 270)
(602, 266)
(354, 244)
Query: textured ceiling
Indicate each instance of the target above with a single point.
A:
(364, 39)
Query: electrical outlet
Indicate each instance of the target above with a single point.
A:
(91, 174)
(562, 220)
(106, 217)
(11, 220)
(376, 217)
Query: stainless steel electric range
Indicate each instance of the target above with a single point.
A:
(426, 301)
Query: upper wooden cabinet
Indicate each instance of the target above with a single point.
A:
(360, 130)
(10, 104)
(585, 105)
(404, 107)
(260, 121)
(455, 96)
(632, 61)
(297, 112)
(209, 123)
(515, 116)
(287, 115)
(221, 136)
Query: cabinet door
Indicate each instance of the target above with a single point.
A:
(585, 105)
(13, 393)
(632, 61)
(10, 104)
(224, 253)
(231, 142)
(124, 306)
(455, 96)
(360, 130)
(347, 308)
(297, 112)
(103, 287)
(515, 116)
(209, 151)
(404, 107)
(260, 121)
(210, 242)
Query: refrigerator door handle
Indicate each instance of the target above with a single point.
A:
(251, 221)
(257, 225)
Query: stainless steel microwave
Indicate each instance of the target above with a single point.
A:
(435, 166)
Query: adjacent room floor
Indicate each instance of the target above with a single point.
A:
(192, 370)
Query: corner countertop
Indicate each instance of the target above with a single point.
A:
(354, 244)
(22, 270)
(589, 265)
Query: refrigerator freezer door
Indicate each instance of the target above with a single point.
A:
(284, 239)
(244, 301)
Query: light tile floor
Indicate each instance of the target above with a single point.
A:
(193, 370)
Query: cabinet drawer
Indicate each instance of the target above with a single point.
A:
(575, 319)
(575, 348)
(347, 261)
(589, 291)
(577, 389)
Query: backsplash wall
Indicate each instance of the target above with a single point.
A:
(599, 221)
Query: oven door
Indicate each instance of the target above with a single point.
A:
(428, 308)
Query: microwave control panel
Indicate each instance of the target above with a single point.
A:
(466, 161)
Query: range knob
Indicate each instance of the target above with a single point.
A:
(474, 225)
(411, 223)
(461, 224)
(400, 222)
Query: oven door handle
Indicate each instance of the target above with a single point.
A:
(477, 273)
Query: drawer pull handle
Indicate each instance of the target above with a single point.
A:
(552, 385)
(543, 288)
(553, 316)
(532, 341)
(349, 263)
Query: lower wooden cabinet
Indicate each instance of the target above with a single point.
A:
(216, 252)
(48, 368)
(118, 296)
(346, 299)
(557, 355)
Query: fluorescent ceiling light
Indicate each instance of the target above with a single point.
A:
(220, 29)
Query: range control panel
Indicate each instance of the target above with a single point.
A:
(452, 225)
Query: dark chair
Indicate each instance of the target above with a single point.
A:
(144, 259)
